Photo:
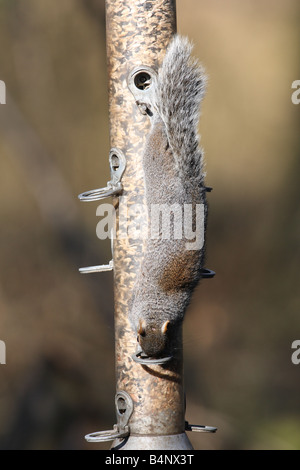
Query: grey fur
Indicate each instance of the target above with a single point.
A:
(173, 168)
(180, 89)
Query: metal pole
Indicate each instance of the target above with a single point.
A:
(150, 403)
(138, 33)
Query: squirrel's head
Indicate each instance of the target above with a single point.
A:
(153, 338)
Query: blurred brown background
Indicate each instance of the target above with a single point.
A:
(58, 383)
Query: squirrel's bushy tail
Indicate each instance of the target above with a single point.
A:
(180, 89)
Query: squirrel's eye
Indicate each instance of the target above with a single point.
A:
(138, 339)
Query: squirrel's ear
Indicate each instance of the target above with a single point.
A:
(165, 327)
(142, 327)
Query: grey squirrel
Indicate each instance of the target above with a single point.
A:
(174, 177)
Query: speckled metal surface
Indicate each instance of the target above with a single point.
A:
(138, 33)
